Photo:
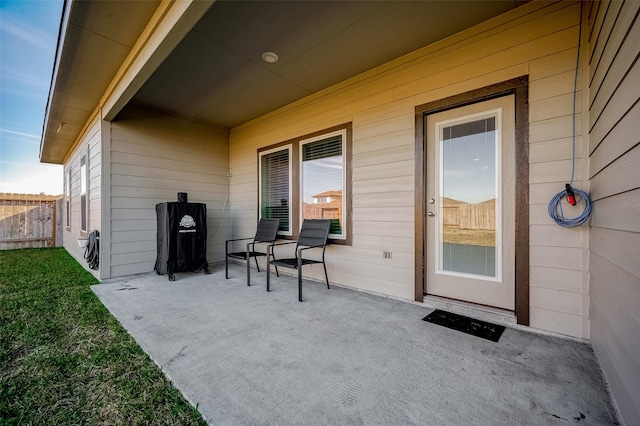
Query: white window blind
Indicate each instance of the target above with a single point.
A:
(325, 148)
(275, 188)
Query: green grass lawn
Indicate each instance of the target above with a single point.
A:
(65, 360)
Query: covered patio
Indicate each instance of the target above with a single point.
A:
(236, 103)
(244, 356)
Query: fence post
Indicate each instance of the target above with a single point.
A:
(59, 203)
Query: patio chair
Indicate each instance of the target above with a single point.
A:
(265, 233)
(314, 234)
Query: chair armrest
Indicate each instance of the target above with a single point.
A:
(300, 250)
(281, 244)
(272, 246)
(238, 239)
(226, 244)
(310, 247)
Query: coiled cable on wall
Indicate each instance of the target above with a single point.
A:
(92, 252)
(557, 213)
(555, 204)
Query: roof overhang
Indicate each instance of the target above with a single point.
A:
(203, 60)
(106, 50)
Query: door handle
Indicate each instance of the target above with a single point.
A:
(431, 214)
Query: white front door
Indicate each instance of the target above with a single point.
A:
(470, 203)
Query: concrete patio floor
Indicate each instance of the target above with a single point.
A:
(342, 357)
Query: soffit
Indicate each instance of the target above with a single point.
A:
(216, 73)
(98, 37)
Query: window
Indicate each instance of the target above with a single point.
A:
(308, 178)
(83, 194)
(275, 187)
(323, 180)
(67, 197)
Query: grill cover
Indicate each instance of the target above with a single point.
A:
(182, 238)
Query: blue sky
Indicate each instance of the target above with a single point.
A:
(28, 38)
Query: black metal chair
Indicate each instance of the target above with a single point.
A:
(265, 233)
(314, 234)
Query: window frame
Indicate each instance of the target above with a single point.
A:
(342, 132)
(84, 179)
(67, 198)
(295, 164)
(261, 154)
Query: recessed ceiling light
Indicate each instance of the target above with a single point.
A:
(270, 57)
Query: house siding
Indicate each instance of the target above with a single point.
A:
(539, 40)
(88, 144)
(153, 157)
(614, 173)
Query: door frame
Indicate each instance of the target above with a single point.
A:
(519, 87)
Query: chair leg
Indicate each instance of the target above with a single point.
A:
(253, 248)
(326, 277)
(299, 279)
(248, 267)
(226, 260)
(274, 258)
(268, 270)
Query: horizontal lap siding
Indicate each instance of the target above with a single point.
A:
(90, 145)
(614, 148)
(539, 40)
(153, 157)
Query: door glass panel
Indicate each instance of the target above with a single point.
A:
(468, 196)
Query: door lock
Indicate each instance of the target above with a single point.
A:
(431, 214)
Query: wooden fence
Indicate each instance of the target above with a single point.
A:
(28, 220)
(469, 216)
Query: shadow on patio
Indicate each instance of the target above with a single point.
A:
(245, 356)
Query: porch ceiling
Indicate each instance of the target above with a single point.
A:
(96, 38)
(216, 74)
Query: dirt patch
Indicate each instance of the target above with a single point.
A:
(475, 237)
